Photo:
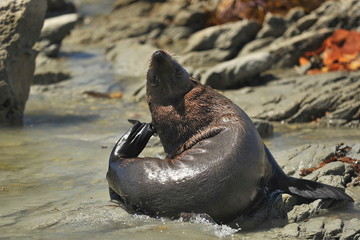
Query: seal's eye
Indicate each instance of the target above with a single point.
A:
(154, 81)
(178, 72)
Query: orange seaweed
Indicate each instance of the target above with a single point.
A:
(340, 51)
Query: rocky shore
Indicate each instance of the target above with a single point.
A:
(254, 63)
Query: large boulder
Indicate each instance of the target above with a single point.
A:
(20, 25)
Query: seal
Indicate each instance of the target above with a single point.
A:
(216, 162)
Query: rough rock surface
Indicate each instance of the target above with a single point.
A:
(303, 219)
(294, 99)
(20, 25)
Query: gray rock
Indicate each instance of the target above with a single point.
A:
(204, 58)
(351, 229)
(55, 29)
(313, 229)
(336, 181)
(305, 211)
(265, 128)
(301, 25)
(238, 71)
(273, 26)
(290, 230)
(333, 168)
(227, 36)
(332, 228)
(297, 102)
(287, 51)
(20, 26)
(176, 33)
(256, 45)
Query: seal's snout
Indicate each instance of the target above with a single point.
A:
(159, 56)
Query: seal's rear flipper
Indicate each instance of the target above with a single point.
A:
(313, 190)
(302, 187)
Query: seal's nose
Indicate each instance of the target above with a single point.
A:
(159, 55)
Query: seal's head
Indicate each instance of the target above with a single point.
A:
(167, 80)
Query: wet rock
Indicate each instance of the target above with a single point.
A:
(273, 26)
(55, 29)
(333, 228)
(265, 128)
(237, 71)
(290, 230)
(20, 25)
(227, 36)
(351, 229)
(313, 229)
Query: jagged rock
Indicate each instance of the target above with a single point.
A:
(305, 211)
(296, 102)
(20, 25)
(237, 71)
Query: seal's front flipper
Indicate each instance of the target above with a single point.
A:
(133, 141)
(302, 187)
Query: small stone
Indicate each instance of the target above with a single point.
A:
(290, 230)
(351, 229)
(313, 229)
(332, 228)
(333, 168)
(265, 128)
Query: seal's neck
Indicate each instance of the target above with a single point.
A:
(180, 119)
